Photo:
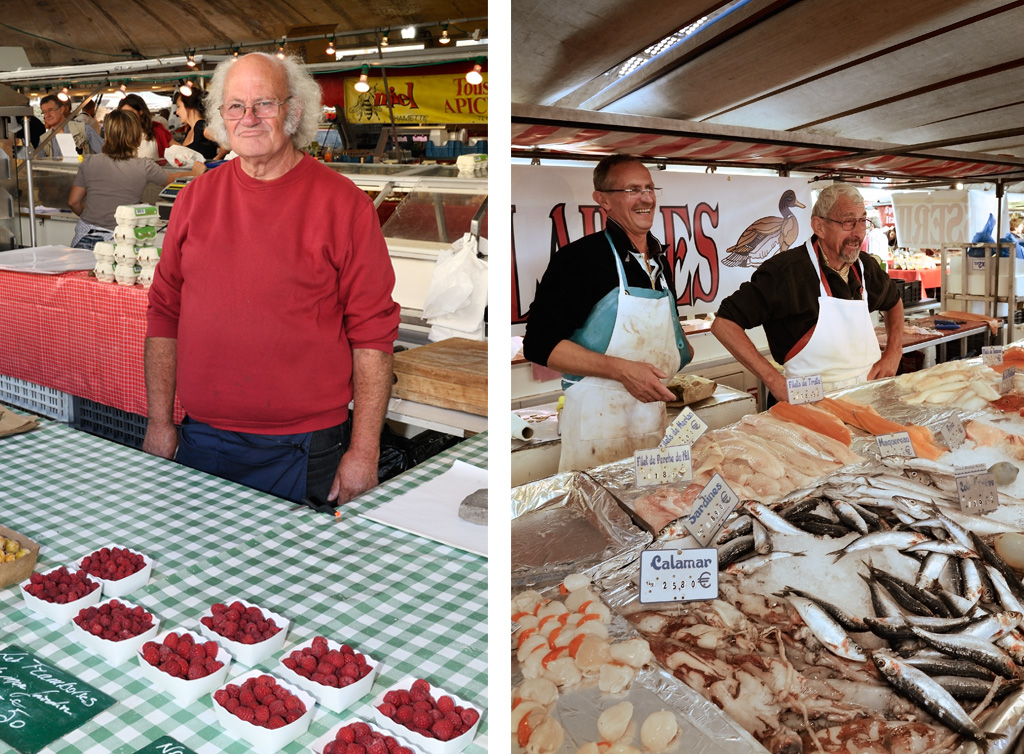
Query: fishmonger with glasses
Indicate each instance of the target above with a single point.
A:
(815, 302)
(605, 316)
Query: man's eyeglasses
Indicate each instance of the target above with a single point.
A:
(634, 191)
(51, 110)
(263, 109)
(862, 222)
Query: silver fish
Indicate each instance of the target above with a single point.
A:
(759, 561)
(947, 547)
(929, 695)
(901, 540)
(971, 648)
(771, 520)
(762, 539)
(994, 626)
(843, 618)
(849, 515)
(932, 568)
(827, 630)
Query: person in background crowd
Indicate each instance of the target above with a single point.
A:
(1017, 225)
(115, 177)
(56, 116)
(193, 114)
(890, 233)
(155, 137)
(876, 243)
(815, 303)
(605, 316)
(87, 115)
(268, 343)
(163, 117)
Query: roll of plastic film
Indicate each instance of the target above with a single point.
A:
(521, 430)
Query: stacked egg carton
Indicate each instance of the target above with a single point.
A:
(133, 241)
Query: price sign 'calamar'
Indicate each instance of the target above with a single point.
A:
(40, 703)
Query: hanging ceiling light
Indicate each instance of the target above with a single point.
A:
(475, 77)
(63, 95)
(363, 85)
(409, 32)
(330, 47)
(280, 50)
(384, 40)
(123, 91)
(191, 62)
(236, 53)
(445, 39)
(186, 88)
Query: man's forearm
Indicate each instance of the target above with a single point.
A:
(894, 329)
(571, 358)
(161, 368)
(742, 348)
(371, 388)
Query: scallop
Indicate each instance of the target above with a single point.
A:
(577, 598)
(528, 621)
(592, 628)
(523, 709)
(612, 723)
(614, 678)
(526, 602)
(532, 666)
(658, 731)
(539, 690)
(599, 609)
(576, 581)
(546, 738)
(635, 652)
(551, 608)
(563, 637)
(592, 653)
(588, 748)
(1010, 546)
(529, 645)
(562, 672)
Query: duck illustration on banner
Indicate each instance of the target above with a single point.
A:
(766, 236)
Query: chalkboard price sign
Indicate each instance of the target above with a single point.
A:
(40, 703)
(165, 745)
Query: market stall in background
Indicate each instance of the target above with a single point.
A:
(744, 586)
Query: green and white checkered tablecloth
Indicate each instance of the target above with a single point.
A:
(416, 606)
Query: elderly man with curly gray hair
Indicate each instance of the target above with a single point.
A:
(271, 308)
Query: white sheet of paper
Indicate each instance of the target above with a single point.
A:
(66, 142)
(432, 509)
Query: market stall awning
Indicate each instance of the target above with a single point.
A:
(561, 132)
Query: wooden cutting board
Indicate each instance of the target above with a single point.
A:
(451, 373)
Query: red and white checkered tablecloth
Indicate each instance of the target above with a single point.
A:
(75, 334)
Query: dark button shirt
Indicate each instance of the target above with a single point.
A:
(782, 295)
(578, 276)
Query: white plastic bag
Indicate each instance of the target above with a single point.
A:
(182, 157)
(457, 296)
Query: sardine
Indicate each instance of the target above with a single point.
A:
(819, 525)
(929, 695)
(991, 557)
(1004, 594)
(827, 630)
(740, 526)
(882, 602)
(843, 618)
(846, 513)
(932, 604)
(762, 539)
(994, 626)
(947, 547)
(940, 664)
(971, 648)
(900, 540)
(771, 520)
(735, 549)
(759, 561)
(974, 689)
(931, 570)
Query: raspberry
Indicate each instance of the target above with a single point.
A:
(276, 722)
(150, 653)
(470, 716)
(377, 747)
(422, 720)
(402, 750)
(278, 709)
(308, 663)
(388, 710)
(262, 715)
(443, 730)
(345, 734)
(221, 696)
(211, 648)
(294, 714)
(246, 713)
(361, 730)
(421, 685)
(393, 697)
(355, 749)
(232, 704)
(404, 714)
(171, 668)
(171, 640)
(446, 704)
(262, 692)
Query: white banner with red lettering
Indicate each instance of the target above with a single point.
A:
(718, 228)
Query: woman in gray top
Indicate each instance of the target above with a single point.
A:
(115, 177)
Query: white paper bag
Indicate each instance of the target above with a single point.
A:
(457, 296)
(182, 157)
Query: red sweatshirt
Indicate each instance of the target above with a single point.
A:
(267, 287)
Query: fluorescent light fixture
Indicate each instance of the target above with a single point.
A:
(409, 32)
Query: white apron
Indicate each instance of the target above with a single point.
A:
(842, 347)
(601, 422)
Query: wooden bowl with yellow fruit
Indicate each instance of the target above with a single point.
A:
(18, 556)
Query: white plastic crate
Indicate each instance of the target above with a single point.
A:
(40, 400)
